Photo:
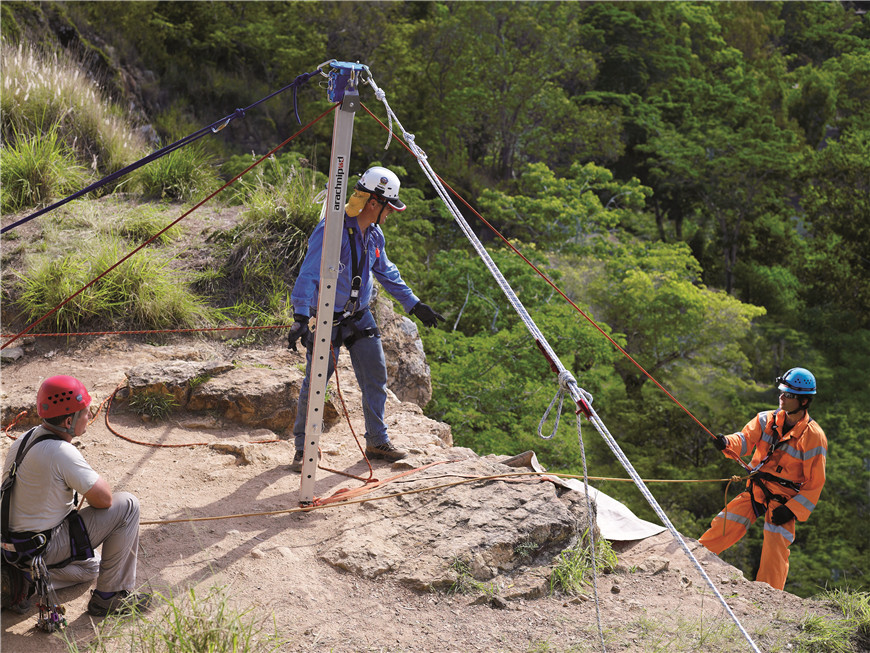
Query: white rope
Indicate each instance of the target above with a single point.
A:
(592, 511)
(579, 395)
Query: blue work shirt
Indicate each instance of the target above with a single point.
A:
(372, 255)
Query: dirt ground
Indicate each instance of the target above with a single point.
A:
(272, 564)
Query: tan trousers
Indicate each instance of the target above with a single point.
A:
(117, 529)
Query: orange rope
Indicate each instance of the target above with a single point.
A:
(371, 478)
(166, 228)
(158, 445)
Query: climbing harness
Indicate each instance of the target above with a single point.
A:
(757, 477)
(356, 275)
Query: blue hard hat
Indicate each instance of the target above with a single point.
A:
(798, 381)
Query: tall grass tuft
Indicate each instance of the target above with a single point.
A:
(267, 247)
(36, 169)
(144, 292)
(41, 92)
(851, 633)
(146, 221)
(190, 623)
(184, 174)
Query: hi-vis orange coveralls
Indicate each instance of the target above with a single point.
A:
(791, 471)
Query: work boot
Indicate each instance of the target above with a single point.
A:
(296, 465)
(387, 451)
(122, 602)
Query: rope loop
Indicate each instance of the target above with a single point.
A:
(381, 96)
(560, 396)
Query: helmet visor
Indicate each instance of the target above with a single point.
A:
(397, 204)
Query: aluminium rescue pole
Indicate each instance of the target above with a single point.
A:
(343, 88)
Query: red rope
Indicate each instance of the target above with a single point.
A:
(554, 286)
(167, 227)
(149, 331)
(158, 445)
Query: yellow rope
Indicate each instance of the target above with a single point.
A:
(425, 489)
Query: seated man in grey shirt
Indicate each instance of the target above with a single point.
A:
(42, 500)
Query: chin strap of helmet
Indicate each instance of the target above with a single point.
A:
(381, 212)
(69, 430)
(801, 409)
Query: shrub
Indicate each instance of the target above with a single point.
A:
(574, 564)
(189, 623)
(269, 244)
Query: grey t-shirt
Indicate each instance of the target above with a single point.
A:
(43, 492)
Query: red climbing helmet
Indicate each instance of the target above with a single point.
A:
(61, 395)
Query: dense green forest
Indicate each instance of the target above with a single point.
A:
(694, 176)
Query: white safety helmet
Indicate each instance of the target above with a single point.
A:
(383, 184)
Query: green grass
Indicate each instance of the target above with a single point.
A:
(265, 250)
(144, 292)
(153, 404)
(190, 623)
(143, 223)
(184, 174)
(465, 583)
(37, 169)
(821, 634)
(574, 565)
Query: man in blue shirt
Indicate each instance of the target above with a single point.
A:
(363, 256)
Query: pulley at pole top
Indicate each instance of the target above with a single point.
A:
(344, 76)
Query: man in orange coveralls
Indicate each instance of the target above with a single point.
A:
(788, 473)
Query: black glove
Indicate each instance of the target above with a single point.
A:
(781, 515)
(298, 330)
(720, 442)
(427, 316)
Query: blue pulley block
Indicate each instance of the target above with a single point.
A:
(342, 72)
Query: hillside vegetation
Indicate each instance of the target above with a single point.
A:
(694, 176)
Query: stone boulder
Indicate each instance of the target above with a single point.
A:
(485, 529)
(408, 373)
(259, 395)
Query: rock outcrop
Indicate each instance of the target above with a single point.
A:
(488, 530)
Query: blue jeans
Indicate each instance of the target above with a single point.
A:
(370, 368)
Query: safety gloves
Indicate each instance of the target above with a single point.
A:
(720, 442)
(781, 515)
(298, 330)
(426, 315)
